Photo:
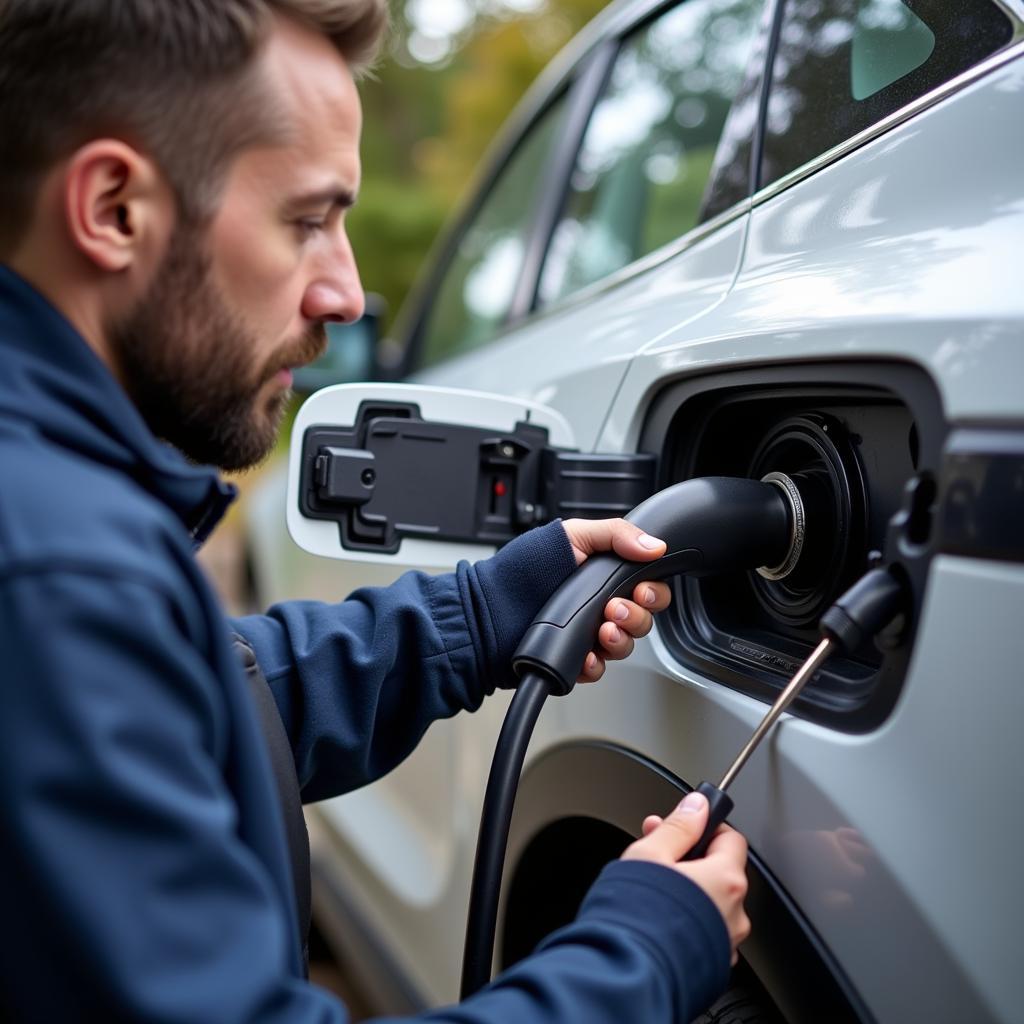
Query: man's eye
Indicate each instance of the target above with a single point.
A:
(309, 226)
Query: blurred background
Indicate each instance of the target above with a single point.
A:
(449, 75)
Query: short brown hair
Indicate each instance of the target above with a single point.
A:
(171, 76)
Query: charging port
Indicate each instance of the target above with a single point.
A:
(849, 437)
(816, 453)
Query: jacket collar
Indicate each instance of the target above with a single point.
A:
(50, 377)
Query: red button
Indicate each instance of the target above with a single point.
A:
(500, 490)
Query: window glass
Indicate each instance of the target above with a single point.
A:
(843, 65)
(477, 288)
(645, 162)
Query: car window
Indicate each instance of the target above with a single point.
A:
(843, 65)
(645, 162)
(479, 282)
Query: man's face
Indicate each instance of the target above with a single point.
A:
(236, 304)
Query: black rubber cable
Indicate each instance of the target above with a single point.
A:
(495, 821)
(709, 524)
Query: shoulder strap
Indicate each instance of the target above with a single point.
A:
(283, 763)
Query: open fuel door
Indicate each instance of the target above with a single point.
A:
(407, 473)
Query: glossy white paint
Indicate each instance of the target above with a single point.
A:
(573, 358)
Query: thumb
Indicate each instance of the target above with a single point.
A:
(588, 536)
(679, 832)
(630, 542)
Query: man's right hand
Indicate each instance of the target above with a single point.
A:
(720, 873)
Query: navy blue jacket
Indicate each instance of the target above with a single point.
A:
(143, 867)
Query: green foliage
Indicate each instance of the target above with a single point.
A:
(391, 229)
(426, 128)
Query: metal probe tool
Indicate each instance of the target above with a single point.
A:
(788, 695)
(862, 612)
(719, 802)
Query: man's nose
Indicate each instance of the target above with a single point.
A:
(335, 294)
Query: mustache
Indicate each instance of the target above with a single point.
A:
(311, 345)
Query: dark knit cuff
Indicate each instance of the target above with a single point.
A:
(676, 920)
(515, 584)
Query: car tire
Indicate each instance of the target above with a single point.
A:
(739, 1005)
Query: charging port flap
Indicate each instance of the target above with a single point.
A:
(388, 470)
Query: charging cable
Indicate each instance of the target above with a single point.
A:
(709, 525)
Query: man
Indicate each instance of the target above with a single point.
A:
(173, 194)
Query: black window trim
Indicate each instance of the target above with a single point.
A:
(577, 78)
(561, 161)
(408, 332)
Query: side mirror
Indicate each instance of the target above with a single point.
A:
(351, 352)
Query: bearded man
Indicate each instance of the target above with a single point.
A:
(174, 186)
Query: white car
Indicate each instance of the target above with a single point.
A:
(682, 264)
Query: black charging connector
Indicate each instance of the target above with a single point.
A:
(709, 525)
(865, 610)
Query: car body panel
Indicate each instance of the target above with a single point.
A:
(850, 264)
(919, 933)
(573, 359)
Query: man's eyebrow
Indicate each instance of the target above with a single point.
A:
(333, 195)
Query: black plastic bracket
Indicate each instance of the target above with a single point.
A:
(393, 474)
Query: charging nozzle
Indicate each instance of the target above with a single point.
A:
(709, 524)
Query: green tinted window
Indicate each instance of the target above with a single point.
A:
(643, 170)
(478, 285)
(889, 41)
(843, 65)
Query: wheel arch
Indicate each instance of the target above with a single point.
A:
(579, 804)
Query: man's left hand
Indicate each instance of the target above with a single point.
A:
(625, 620)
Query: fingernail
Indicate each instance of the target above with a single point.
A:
(693, 803)
(616, 637)
(645, 540)
(648, 596)
(621, 612)
(590, 662)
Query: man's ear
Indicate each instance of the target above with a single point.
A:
(117, 205)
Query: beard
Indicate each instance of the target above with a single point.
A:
(186, 361)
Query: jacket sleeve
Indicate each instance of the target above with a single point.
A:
(648, 946)
(134, 894)
(358, 683)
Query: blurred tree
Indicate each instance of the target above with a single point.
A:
(426, 125)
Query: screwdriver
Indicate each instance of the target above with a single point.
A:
(867, 608)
